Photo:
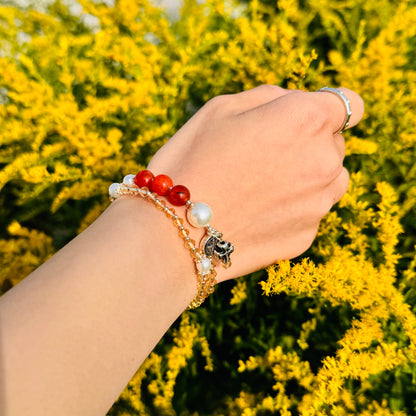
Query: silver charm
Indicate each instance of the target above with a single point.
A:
(214, 246)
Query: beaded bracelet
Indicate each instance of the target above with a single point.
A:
(198, 215)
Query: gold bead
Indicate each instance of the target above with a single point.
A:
(178, 221)
(183, 233)
(160, 204)
(143, 191)
(189, 243)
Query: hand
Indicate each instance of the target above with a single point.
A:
(269, 162)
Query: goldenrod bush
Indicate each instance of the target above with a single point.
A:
(87, 98)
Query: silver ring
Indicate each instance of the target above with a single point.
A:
(346, 102)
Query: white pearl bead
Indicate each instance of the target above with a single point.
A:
(129, 180)
(113, 190)
(204, 265)
(199, 215)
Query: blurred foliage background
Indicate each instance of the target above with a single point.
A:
(89, 93)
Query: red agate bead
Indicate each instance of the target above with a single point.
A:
(161, 184)
(144, 178)
(179, 195)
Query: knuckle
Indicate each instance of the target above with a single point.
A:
(218, 101)
(345, 180)
(269, 88)
(325, 207)
(332, 194)
(328, 168)
(341, 185)
(313, 121)
(322, 204)
(308, 238)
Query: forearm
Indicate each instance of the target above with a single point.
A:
(75, 331)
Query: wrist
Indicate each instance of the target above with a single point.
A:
(155, 250)
(212, 247)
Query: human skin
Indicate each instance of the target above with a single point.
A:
(269, 163)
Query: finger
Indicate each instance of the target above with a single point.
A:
(339, 143)
(336, 109)
(247, 100)
(309, 113)
(339, 186)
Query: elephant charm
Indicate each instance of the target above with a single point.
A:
(214, 246)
